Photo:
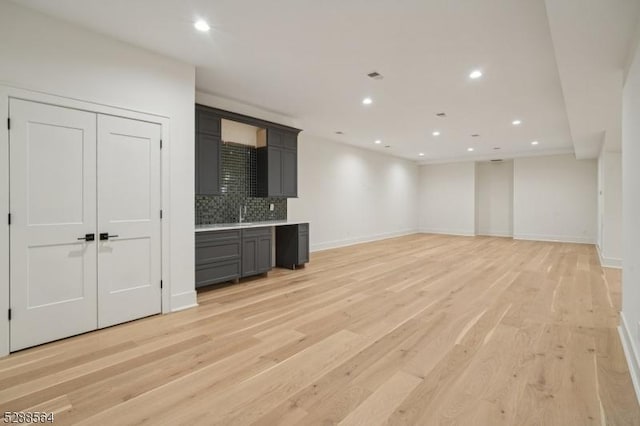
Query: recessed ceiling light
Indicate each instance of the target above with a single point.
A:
(470, 149)
(201, 25)
(436, 133)
(516, 122)
(475, 135)
(534, 143)
(496, 148)
(441, 114)
(475, 74)
(378, 142)
(367, 101)
(387, 146)
(339, 132)
(421, 154)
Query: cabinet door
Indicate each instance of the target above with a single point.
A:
(275, 172)
(275, 138)
(207, 164)
(289, 140)
(249, 256)
(209, 123)
(289, 170)
(264, 254)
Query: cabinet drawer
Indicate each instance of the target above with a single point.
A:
(217, 272)
(256, 232)
(217, 251)
(217, 236)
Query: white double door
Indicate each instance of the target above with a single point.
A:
(85, 234)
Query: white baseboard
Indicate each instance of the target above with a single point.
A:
(495, 234)
(555, 238)
(458, 232)
(631, 353)
(608, 262)
(359, 240)
(182, 301)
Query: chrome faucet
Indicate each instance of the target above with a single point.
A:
(243, 216)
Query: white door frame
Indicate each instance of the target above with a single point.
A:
(7, 92)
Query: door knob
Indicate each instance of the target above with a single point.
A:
(105, 236)
(88, 237)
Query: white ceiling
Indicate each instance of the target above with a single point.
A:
(308, 59)
(592, 41)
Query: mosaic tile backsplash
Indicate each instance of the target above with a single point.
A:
(239, 188)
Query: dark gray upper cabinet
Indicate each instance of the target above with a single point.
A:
(207, 151)
(208, 164)
(256, 251)
(278, 165)
(277, 168)
(208, 122)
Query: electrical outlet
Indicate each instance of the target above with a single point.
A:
(272, 207)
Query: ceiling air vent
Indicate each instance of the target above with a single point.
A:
(375, 75)
(497, 160)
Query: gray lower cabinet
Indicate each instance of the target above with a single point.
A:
(292, 245)
(256, 251)
(218, 257)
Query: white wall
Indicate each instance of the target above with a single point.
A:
(610, 209)
(448, 198)
(495, 198)
(44, 54)
(555, 199)
(352, 195)
(630, 324)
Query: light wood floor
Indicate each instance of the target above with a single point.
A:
(419, 330)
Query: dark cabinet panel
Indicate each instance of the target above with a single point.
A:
(292, 245)
(303, 248)
(275, 138)
(218, 255)
(208, 122)
(208, 164)
(264, 253)
(275, 171)
(278, 165)
(290, 140)
(207, 150)
(289, 173)
(249, 256)
(256, 251)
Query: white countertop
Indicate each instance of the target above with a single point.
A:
(244, 225)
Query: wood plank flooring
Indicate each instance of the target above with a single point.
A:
(417, 330)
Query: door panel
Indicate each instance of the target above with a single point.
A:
(303, 248)
(129, 269)
(264, 254)
(275, 171)
(249, 256)
(289, 173)
(53, 203)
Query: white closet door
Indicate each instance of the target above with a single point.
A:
(53, 204)
(129, 268)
